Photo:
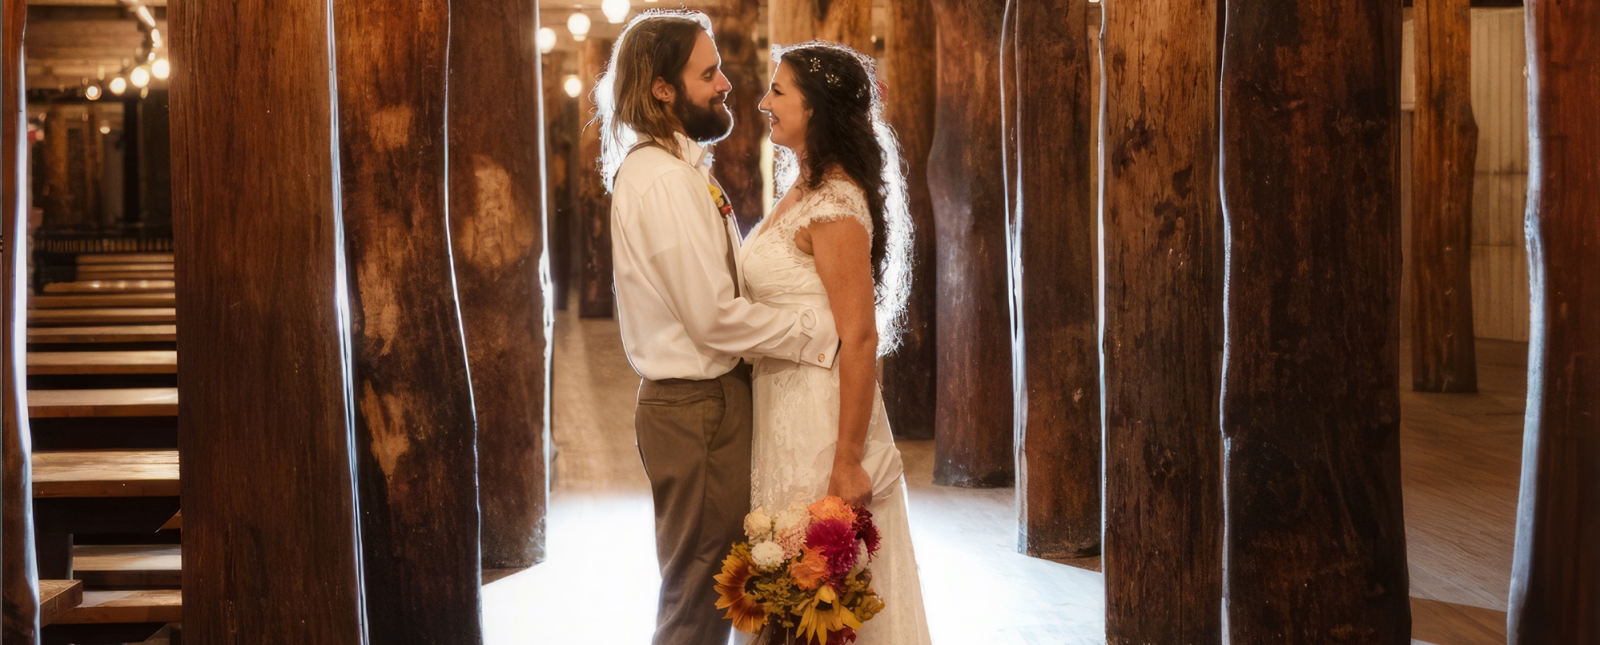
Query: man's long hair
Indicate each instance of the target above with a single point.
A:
(655, 44)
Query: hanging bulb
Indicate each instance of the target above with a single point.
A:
(105, 127)
(92, 92)
(616, 10)
(140, 76)
(546, 40)
(161, 68)
(119, 85)
(155, 39)
(573, 86)
(578, 24)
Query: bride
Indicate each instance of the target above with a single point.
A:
(839, 238)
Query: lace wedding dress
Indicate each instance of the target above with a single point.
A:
(797, 413)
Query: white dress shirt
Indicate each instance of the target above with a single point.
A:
(680, 315)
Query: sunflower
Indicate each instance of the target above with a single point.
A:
(743, 609)
(824, 613)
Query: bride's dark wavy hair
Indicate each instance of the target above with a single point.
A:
(847, 131)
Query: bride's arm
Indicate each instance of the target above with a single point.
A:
(843, 252)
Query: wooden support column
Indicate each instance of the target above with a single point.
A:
(974, 446)
(1443, 357)
(1050, 195)
(1163, 325)
(595, 295)
(738, 157)
(1311, 408)
(1555, 579)
(560, 142)
(270, 531)
(848, 22)
(910, 70)
(497, 229)
(417, 480)
(19, 584)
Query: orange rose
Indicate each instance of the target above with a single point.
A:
(832, 507)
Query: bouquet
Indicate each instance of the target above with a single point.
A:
(802, 577)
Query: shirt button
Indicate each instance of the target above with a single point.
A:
(822, 357)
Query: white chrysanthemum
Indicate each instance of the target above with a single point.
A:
(758, 526)
(767, 556)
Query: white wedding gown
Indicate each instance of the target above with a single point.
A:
(797, 414)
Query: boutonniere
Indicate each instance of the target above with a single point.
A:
(721, 201)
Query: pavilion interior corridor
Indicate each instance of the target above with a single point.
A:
(1461, 460)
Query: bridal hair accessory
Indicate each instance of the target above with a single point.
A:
(802, 578)
(830, 70)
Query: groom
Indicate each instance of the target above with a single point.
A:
(684, 325)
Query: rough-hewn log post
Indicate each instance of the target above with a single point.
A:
(417, 481)
(269, 512)
(1311, 407)
(1050, 193)
(1163, 306)
(974, 446)
(738, 157)
(594, 205)
(841, 21)
(19, 586)
(911, 71)
(497, 229)
(1442, 352)
(1555, 581)
(560, 141)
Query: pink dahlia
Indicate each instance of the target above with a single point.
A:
(836, 539)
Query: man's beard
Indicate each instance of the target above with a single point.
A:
(704, 124)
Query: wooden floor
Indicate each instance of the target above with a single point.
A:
(599, 582)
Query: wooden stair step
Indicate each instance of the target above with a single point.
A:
(124, 258)
(125, 275)
(105, 473)
(105, 334)
(102, 300)
(111, 286)
(121, 402)
(134, 565)
(56, 597)
(103, 316)
(131, 606)
(84, 269)
(123, 362)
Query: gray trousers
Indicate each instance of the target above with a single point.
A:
(694, 437)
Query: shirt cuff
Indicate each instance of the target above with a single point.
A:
(822, 344)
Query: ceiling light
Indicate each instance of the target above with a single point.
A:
(573, 86)
(105, 127)
(578, 24)
(140, 76)
(119, 85)
(161, 68)
(92, 92)
(546, 40)
(616, 10)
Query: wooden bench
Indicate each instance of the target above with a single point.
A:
(105, 473)
(56, 597)
(102, 316)
(133, 565)
(101, 301)
(110, 286)
(104, 334)
(126, 362)
(124, 402)
(124, 258)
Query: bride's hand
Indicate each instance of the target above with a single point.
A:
(851, 483)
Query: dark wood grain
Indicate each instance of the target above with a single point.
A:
(417, 484)
(19, 583)
(497, 224)
(595, 296)
(1310, 411)
(1555, 579)
(738, 157)
(1050, 194)
(1163, 305)
(842, 21)
(1446, 149)
(974, 446)
(272, 562)
(911, 71)
(560, 142)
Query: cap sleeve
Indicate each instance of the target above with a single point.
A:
(838, 198)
